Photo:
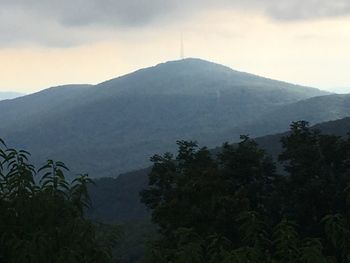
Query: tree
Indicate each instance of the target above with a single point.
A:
(41, 214)
(207, 194)
(234, 207)
(318, 168)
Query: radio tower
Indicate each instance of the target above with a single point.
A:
(182, 49)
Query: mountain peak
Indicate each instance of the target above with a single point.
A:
(201, 77)
(193, 63)
(123, 121)
(197, 61)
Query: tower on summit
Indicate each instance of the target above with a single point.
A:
(182, 48)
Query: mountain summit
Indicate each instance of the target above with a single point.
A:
(193, 76)
(117, 125)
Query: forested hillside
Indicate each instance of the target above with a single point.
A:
(315, 110)
(123, 121)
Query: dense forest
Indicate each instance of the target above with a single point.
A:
(117, 199)
(234, 205)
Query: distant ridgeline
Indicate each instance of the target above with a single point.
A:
(121, 122)
(9, 95)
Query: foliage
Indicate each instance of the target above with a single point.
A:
(235, 207)
(42, 215)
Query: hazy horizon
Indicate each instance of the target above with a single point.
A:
(53, 43)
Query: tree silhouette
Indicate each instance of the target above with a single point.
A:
(234, 207)
(41, 214)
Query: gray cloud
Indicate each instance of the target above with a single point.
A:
(86, 12)
(71, 22)
(307, 9)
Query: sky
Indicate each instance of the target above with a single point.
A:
(46, 43)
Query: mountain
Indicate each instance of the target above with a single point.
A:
(4, 95)
(117, 125)
(37, 107)
(117, 199)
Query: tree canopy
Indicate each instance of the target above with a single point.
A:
(236, 207)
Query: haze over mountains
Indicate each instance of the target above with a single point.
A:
(117, 125)
(314, 110)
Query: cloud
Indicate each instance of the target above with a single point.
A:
(72, 22)
(87, 12)
(307, 9)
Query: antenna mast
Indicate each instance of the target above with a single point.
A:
(182, 51)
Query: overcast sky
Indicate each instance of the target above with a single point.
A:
(51, 42)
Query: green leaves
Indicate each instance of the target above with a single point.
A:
(253, 229)
(42, 220)
(311, 251)
(18, 174)
(241, 210)
(79, 193)
(286, 242)
(337, 231)
(189, 246)
(53, 180)
(197, 191)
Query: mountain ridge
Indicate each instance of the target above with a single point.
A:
(195, 65)
(8, 95)
(125, 120)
